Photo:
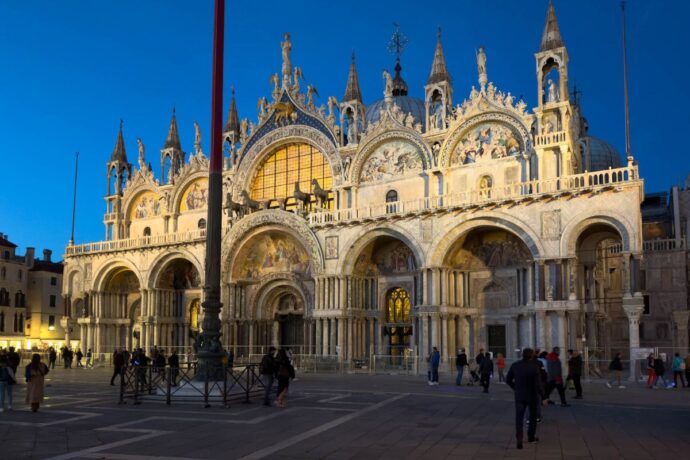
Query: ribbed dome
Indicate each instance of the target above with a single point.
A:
(603, 155)
(406, 103)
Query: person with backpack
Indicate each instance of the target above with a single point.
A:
(284, 374)
(460, 364)
(575, 371)
(486, 368)
(7, 381)
(678, 366)
(615, 368)
(267, 369)
(555, 371)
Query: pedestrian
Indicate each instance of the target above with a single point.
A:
(159, 363)
(13, 359)
(659, 371)
(500, 365)
(480, 356)
(284, 374)
(486, 368)
(35, 380)
(118, 364)
(174, 363)
(543, 377)
(52, 357)
(651, 377)
(460, 364)
(678, 366)
(434, 362)
(555, 372)
(525, 380)
(615, 369)
(575, 371)
(267, 369)
(89, 355)
(70, 358)
(79, 356)
(7, 381)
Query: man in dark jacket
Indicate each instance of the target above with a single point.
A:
(118, 363)
(460, 364)
(486, 368)
(555, 371)
(575, 371)
(174, 363)
(268, 369)
(13, 359)
(523, 377)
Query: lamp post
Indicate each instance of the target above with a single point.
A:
(208, 345)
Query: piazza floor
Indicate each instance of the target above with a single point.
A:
(341, 417)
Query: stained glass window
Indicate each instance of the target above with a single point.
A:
(291, 163)
(398, 306)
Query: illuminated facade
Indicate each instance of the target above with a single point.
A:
(352, 229)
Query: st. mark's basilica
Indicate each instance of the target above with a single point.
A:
(463, 219)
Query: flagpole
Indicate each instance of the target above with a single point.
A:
(74, 198)
(208, 346)
(625, 86)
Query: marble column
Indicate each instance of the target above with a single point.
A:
(332, 328)
(326, 337)
(275, 332)
(633, 312)
(319, 337)
(445, 342)
(349, 339)
(541, 329)
(344, 350)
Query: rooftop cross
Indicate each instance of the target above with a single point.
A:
(398, 42)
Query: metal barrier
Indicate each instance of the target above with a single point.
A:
(184, 384)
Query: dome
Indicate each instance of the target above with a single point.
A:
(602, 155)
(406, 103)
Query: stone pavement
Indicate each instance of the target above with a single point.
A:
(341, 417)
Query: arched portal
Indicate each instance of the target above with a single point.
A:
(121, 294)
(398, 323)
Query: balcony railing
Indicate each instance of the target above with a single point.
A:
(550, 138)
(578, 183)
(133, 243)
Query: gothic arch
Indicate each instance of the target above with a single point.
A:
(496, 116)
(132, 193)
(103, 272)
(175, 200)
(370, 145)
(284, 221)
(360, 241)
(572, 231)
(252, 159)
(272, 289)
(68, 281)
(442, 244)
(161, 262)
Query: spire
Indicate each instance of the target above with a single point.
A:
(173, 139)
(551, 38)
(439, 72)
(396, 46)
(233, 121)
(119, 153)
(352, 91)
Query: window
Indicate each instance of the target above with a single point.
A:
(6, 255)
(147, 231)
(53, 281)
(52, 300)
(290, 164)
(202, 224)
(391, 197)
(4, 298)
(19, 299)
(398, 306)
(21, 322)
(647, 309)
(51, 323)
(2, 321)
(3, 274)
(20, 275)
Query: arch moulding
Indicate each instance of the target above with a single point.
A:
(572, 231)
(101, 275)
(160, 262)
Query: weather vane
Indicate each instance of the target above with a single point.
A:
(398, 42)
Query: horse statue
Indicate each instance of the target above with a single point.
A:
(249, 204)
(232, 208)
(320, 194)
(301, 197)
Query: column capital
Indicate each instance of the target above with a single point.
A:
(634, 312)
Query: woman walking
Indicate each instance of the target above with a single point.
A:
(615, 370)
(35, 380)
(501, 364)
(678, 367)
(285, 373)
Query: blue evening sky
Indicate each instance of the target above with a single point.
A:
(72, 69)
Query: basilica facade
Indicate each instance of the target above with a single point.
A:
(354, 230)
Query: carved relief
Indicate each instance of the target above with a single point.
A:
(195, 196)
(551, 225)
(145, 206)
(395, 158)
(270, 253)
(486, 141)
(331, 247)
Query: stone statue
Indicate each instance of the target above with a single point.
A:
(197, 138)
(244, 124)
(481, 66)
(261, 106)
(142, 161)
(332, 103)
(474, 93)
(508, 101)
(275, 81)
(286, 46)
(297, 78)
(388, 90)
(553, 93)
(311, 91)
(409, 120)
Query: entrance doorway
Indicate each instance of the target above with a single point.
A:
(398, 326)
(291, 332)
(497, 339)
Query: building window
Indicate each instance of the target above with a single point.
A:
(641, 331)
(2, 321)
(19, 299)
(21, 322)
(51, 323)
(52, 300)
(398, 306)
(3, 274)
(6, 255)
(20, 275)
(392, 198)
(53, 281)
(201, 224)
(4, 298)
(647, 309)
(485, 186)
(147, 231)
(290, 164)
